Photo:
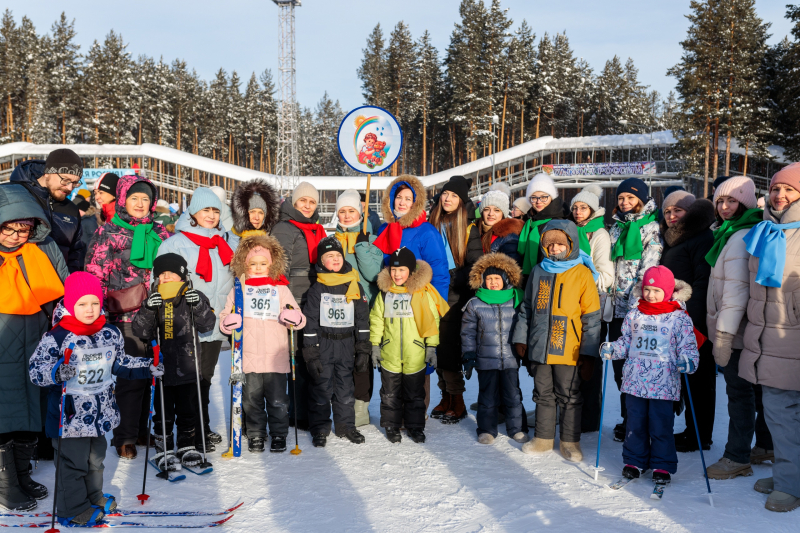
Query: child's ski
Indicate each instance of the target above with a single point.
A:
(199, 472)
(104, 524)
(236, 368)
(621, 483)
(172, 476)
(132, 512)
(658, 491)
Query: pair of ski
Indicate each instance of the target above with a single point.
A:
(173, 475)
(658, 488)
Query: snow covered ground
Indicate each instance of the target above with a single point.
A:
(451, 483)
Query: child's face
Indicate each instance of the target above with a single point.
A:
(14, 234)
(258, 267)
(333, 261)
(494, 282)
(167, 276)
(87, 309)
(399, 275)
(370, 142)
(652, 295)
(556, 248)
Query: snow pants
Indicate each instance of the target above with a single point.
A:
(649, 443)
(745, 412)
(181, 410)
(364, 382)
(592, 392)
(402, 400)
(334, 387)
(80, 474)
(704, 393)
(782, 409)
(298, 389)
(269, 387)
(496, 388)
(557, 385)
(209, 355)
(614, 333)
(132, 395)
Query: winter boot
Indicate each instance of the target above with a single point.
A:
(319, 441)
(171, 462)
(619, 432)
(457, 412)
(765, 485)
(727, 469)
(213, 438)
(362, 413)
(278, 444)
(255, 445)
(187, 453)
(107, 502)
(417, 435)
(759, 455)
(353, 435)
(486, 438)
(632, 472)
(538, 445)
(90, 517)
(661, 477)
(473, 406)
(444, 405)
(521, 437)
(781, 502)
(393, 435)
(12, 497)
(24, 453)
(571, 451)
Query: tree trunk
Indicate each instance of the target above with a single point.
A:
(707, 133)
(728, 151)
(522, 123)
(63, 127)
(715, 148)
(424, 139)
(538, 120)
(746, 148)
(503, 120)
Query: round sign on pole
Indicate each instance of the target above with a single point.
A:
(370, 139)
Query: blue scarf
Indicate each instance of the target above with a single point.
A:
(451, 263)
(558, 267)
(766, 240)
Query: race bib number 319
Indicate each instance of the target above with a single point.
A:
(335, 311)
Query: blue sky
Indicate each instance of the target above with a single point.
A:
(242, 35)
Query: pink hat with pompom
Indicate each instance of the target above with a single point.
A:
(660, 277)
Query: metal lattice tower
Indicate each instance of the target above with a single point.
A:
(286, 161)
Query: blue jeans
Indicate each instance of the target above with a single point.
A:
(649, 443)
(496, 386)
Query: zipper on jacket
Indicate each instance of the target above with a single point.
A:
(574, 329)
(560, 291)
(400, 321)
(500, 334)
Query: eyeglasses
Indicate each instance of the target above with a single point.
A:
(539, 199)
(8, 232)
(66, 182)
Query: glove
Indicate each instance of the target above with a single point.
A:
(154, 301)
(157, 371)
(723, 344)
(363, 349)
(521, 349)
(469, 360)
(362, 237)
(231, 322)
(686, 366)
(430, 356)
(192, 297)
(65, 373)
(290, 317)
(606, 351)
(376, 356)
(587, 366)
(313, 364)
(236, 377)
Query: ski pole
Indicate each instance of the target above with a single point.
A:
(699, 445)
(143, 497)
(205, 463)
(164, 474)
(296, 450)
(597, 468)
(67, 355)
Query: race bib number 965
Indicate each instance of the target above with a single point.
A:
(335, 311)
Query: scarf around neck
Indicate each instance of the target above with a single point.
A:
(423, 316)
(629, 244)
(660, 308)
(331, 279)
(451, 262)
(389, 240)
(205, 267)
(313, 234)
(590, 227)
(528, 246)
(558, 267)
(499, 297)
(26, 297)
(145, 242)
(348, 240)
(767, 241)
(73, 325)
(260, 282)
(746, 220)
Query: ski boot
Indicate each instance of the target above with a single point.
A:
(632, 472)
(661, 477)
(187, 453)
(91, 517)
(107, 502)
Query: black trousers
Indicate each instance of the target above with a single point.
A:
(557, 385)
(614, 333)
(80, 474)
(334, 387)
(209, 356)
(133, 395)
(704, 395)
(500, 388)
(364, 383)
(298, 388)
(181, 410)
(592, 392)
(269, 387)
(402, 400)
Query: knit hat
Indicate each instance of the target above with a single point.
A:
(258, 251)
(671, 189)
(403, 257)
(460, 186)
(257, 202)
(174, 207)
(221, 194)
(544, 183)
(680, 199)
(63, 161)
(79, 284)
(660, 277)
(634, 186)
(497, 199)
(589, 195)
(162, 203)
(522, 204)
(501, 186)
(203, 197)
(494, 271)
(741, 188)
(554, 236)
(328, 244)
(107, 183)
(348, 198)
(789, 175)
(84, 192)
(170, 263)
(304, 189)
(142, 187)
(720, 180)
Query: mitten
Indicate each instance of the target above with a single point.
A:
(236, 377)
(469, 360)
(521, 349)
(157, 371)
(362, 237)
(723, 345)
(376, 356)
(606, 351)
(686, 366)
(231, 323)
(64, 373)
(154, 301)
(290, 317)
(192, 297)
(430, 356)
(313, 364)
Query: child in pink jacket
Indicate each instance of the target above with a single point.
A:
(269, 310)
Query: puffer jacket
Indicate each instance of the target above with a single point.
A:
(629, 272)
(402, 348)
(109, 257)
(507, 238)
(300, 271)
(89, 225)
(221, 279)
(85, 415)
(559, 318)
(770, 356)
(366, 259)
(63, 217)
(486, 328)
(600, 245)
(20, 402)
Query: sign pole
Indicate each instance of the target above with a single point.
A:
(366, 206)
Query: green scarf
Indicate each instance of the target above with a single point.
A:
(590, 227)
(145, 243)
(747, 220)
(499, 297)
(528, 246)
(629, 245)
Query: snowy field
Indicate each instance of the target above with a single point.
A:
(450, 483)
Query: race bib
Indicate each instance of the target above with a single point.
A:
(398, 306)
(93, 367)
(262, 303)
(335, 311)
(650, 340)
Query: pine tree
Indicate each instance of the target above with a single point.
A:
(63, 65)
(427, 84)
(373, 70)
(400, 65)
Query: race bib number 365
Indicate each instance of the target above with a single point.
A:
(262, 303)
(335, 311)
(398, 306)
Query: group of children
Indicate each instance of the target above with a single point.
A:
(553, 327)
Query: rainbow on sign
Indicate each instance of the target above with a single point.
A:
(370, 139)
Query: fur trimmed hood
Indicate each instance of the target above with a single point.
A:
(278, 266)
(682, 292)
(508, 226)
(420, 199)
(421, 276)
(698, 218)
(496, 260)
(241, 201)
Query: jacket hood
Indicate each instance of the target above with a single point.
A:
(698, 218)
(241, 202)
(508, 226)
(288, 212)
(421, 276)
(649, 207)
(417, 208)
(184, 223)
(568, 227)
(16, 203)
(278, 267)
(682, 292)
(496, 260)
(123, 186)
(29, 171)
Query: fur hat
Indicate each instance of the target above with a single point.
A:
(544, 183)
(589, 195)
(494, 261)
(304, 189)
(660, 277)
(170, 263)
(80, 284)
(741, 188)
(554, 236)
(681, 199)
(266, 242)
(497, 199)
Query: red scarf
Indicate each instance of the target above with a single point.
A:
(72, 324)
(659, 308)
(260, 282)
(313, 233)
(204, 267)
(109, 210)
(389, 241)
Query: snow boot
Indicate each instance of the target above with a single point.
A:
(444, 405)
(486, 438)
(394, 436)
(457, 412)
(319, 441)
(632, 472)
(187, 453)
(89, 518)
(521, 437)
(107, 502)
(661, 477)
(538, 445)
(571, 451)
(765, 485)
(759, 455)
(255, 445)
(417, 435)
(686, 442)
(213, 438)
(781, 502)
(727, 469)
(362, 413)
(278, 444)
(172, 463)
(619, 432)
(353, 435)
(473, 406)
(24, 453)
(12, 497)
